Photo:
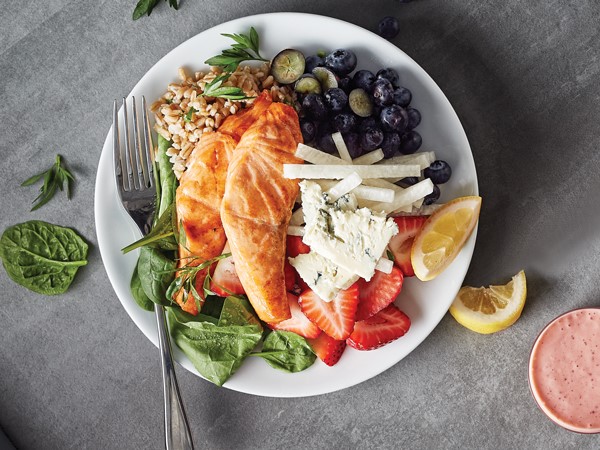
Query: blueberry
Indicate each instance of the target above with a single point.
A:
(336, 99)
(409, 181)
(371, 139)
(341, 61)
(390, 144)
(439, 172)
(391, 75)
(414, 118)
(345, 122)
(402, 96)
(368, 122)
(313, 61)
(324, 139)
(314, 107)
(388, 27)
(394, 118)
(363, 79)
(383, 92)
(345, 84)
(410, 142)
(433, 197)
(309, 130)
(352, 141)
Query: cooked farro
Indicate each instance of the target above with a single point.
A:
(170, 110)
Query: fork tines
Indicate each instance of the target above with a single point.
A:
(137, 153)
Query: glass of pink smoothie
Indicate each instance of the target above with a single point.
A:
(564, 370)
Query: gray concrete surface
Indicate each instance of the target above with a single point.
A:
(524, 77)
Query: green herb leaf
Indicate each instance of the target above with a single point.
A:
(145, 7)
(287, 351)
(188, 115)
(216, 351)
(161, 235)
(215, 89)
(54, 178)
(138, 293)
(41, 256)
(390, 255)
(246, 48)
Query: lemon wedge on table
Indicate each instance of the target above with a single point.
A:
(491, 309)
(443, 235)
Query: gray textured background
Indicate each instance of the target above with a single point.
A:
(523, 77)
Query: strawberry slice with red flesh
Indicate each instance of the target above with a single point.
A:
(225, 278)
(295, 246)
(378, 293)
(400, 244)
(335, 318)
(299, 323)
(384, 327)
(290, 276)
(327, 349)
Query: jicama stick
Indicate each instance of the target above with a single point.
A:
(407, 197)
(338, 140)
(369, 158)
(314, 156)
(338, 172)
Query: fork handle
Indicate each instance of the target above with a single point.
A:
(177, 429)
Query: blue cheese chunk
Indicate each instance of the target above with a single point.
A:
(322, 276)
(352, 239)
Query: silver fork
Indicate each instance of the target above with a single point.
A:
(137, 190)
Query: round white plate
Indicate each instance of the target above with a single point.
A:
(425, 303)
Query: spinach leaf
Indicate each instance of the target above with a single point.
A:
(237, 311)
(156, 272)
(161, 235)
(41, 256)
(168, 181)
(287, 351)
(183, 317)
(216, 351)
(138, 293)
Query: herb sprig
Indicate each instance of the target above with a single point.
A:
(246, 48)
(145, 7)
(216, 89)
(54, 178)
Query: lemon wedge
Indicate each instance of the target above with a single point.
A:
(491, 309)
(443, 235)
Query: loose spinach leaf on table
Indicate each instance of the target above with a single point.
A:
(216, 351)
(138, 293)
(156, 272)
(41, 256)
(287, 351)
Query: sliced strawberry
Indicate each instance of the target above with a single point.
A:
(290, 276)
(376, 294)
(295, 246)
(327, 349)
(401, 243)
(225, 277)
(298, 324)
(336, 318)
(387, 325)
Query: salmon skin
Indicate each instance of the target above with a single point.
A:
(200, 192)
(257, 207)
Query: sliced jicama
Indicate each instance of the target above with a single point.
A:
(376, 194)
(337, 172)
(314, 156)
(369, 158)
(425, 210)
(384, 265)
(297, 217)
(338, 140)
(424, 159)
(343, 187)
(295, 230)
(406, 197)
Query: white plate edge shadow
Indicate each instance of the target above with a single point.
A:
(272, 384)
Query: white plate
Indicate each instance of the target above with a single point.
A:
(425, 303)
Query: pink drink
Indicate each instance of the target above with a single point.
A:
(564, 370)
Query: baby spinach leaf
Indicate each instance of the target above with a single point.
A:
(183, 317)
(216, 351)
(156, 272)
(287, 351)
(41, 256)
(168, 181)
(138, 293)
(237, 311)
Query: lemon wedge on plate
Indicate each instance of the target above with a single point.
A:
(491, 309)
(443, 235)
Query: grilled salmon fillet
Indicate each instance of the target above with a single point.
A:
(201, 187)
(257, 207)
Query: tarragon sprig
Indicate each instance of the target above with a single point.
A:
(216, 89)
(246, 48)
(54, 178)
(145, 7)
